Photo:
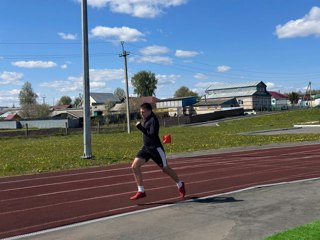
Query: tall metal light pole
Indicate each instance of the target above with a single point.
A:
(124, 55)
(86, 83)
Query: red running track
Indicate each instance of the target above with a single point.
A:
(38, 202)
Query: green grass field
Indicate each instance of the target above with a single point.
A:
(53, 153)
(310, 231)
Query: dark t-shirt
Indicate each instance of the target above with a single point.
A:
(150, 130)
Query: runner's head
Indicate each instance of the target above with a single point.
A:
(145, 110)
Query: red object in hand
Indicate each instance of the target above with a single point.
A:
(166, 138)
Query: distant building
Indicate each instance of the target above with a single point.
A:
(134, 103)
(60, 107)
(152, 100)
(102, 98)
(12, 117)
(279, 101)
(8, 111)
(177, 106)
(98, 102)
(212, 105)
(316, 100)
(249, 95)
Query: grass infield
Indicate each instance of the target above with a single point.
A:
(310, 231)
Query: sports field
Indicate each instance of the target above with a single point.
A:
(37, 202)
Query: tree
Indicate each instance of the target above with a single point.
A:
(184, 92)
(26, 95)
(293, 97)
(144, 83)
(119, 93)
(28, 103)
(65, 100)
(77, 101)
(34, 111)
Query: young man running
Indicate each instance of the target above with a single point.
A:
(152, 149)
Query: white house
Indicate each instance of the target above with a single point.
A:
(279, 101)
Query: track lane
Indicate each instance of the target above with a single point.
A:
(36, 202)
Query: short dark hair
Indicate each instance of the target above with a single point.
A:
(146, 106)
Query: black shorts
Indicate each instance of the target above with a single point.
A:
(156, 154)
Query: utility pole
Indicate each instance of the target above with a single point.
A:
(124, 55)
(306, 97)
(86, 84)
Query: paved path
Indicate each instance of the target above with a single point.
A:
(250, 215)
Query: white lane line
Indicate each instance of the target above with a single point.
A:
(172, 162)
(212, 163)
(106, 177)
(302, 165)
(52, 230)
(151, 189)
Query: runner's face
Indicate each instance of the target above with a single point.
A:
(145, 113)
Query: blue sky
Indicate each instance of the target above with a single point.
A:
(195, 43)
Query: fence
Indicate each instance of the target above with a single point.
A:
(184, 120)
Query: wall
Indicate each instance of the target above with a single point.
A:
(184, 120)
(59, 123)
(9, 125)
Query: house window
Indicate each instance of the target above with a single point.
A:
(240, 101)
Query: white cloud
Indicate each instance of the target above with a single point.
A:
(7, 98)
(167, 79)
(183, 53)
(223, 68)
(306, 26)
(7, 78)
(154, 50)
(98, 79)
(153, 59)
(67, 36)
(64, 85)
(34, 64)
(137, 8)
(64, 66)
(270, 85)
(117, 34)
(106, 74)
(200, 76)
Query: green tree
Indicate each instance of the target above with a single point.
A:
(34, 111)
(65, 100)
(144, 83)
(77, 101)
(184, 92)
(293, 97)
(27, 95)
(119, 93)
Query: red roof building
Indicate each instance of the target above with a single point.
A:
(279, 101)
(278, 95)
(12, 117)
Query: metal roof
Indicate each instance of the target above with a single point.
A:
(218, 101)
(233, 85)
(104, 97)
(278, 95)
(231, 94)
(176, 98)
